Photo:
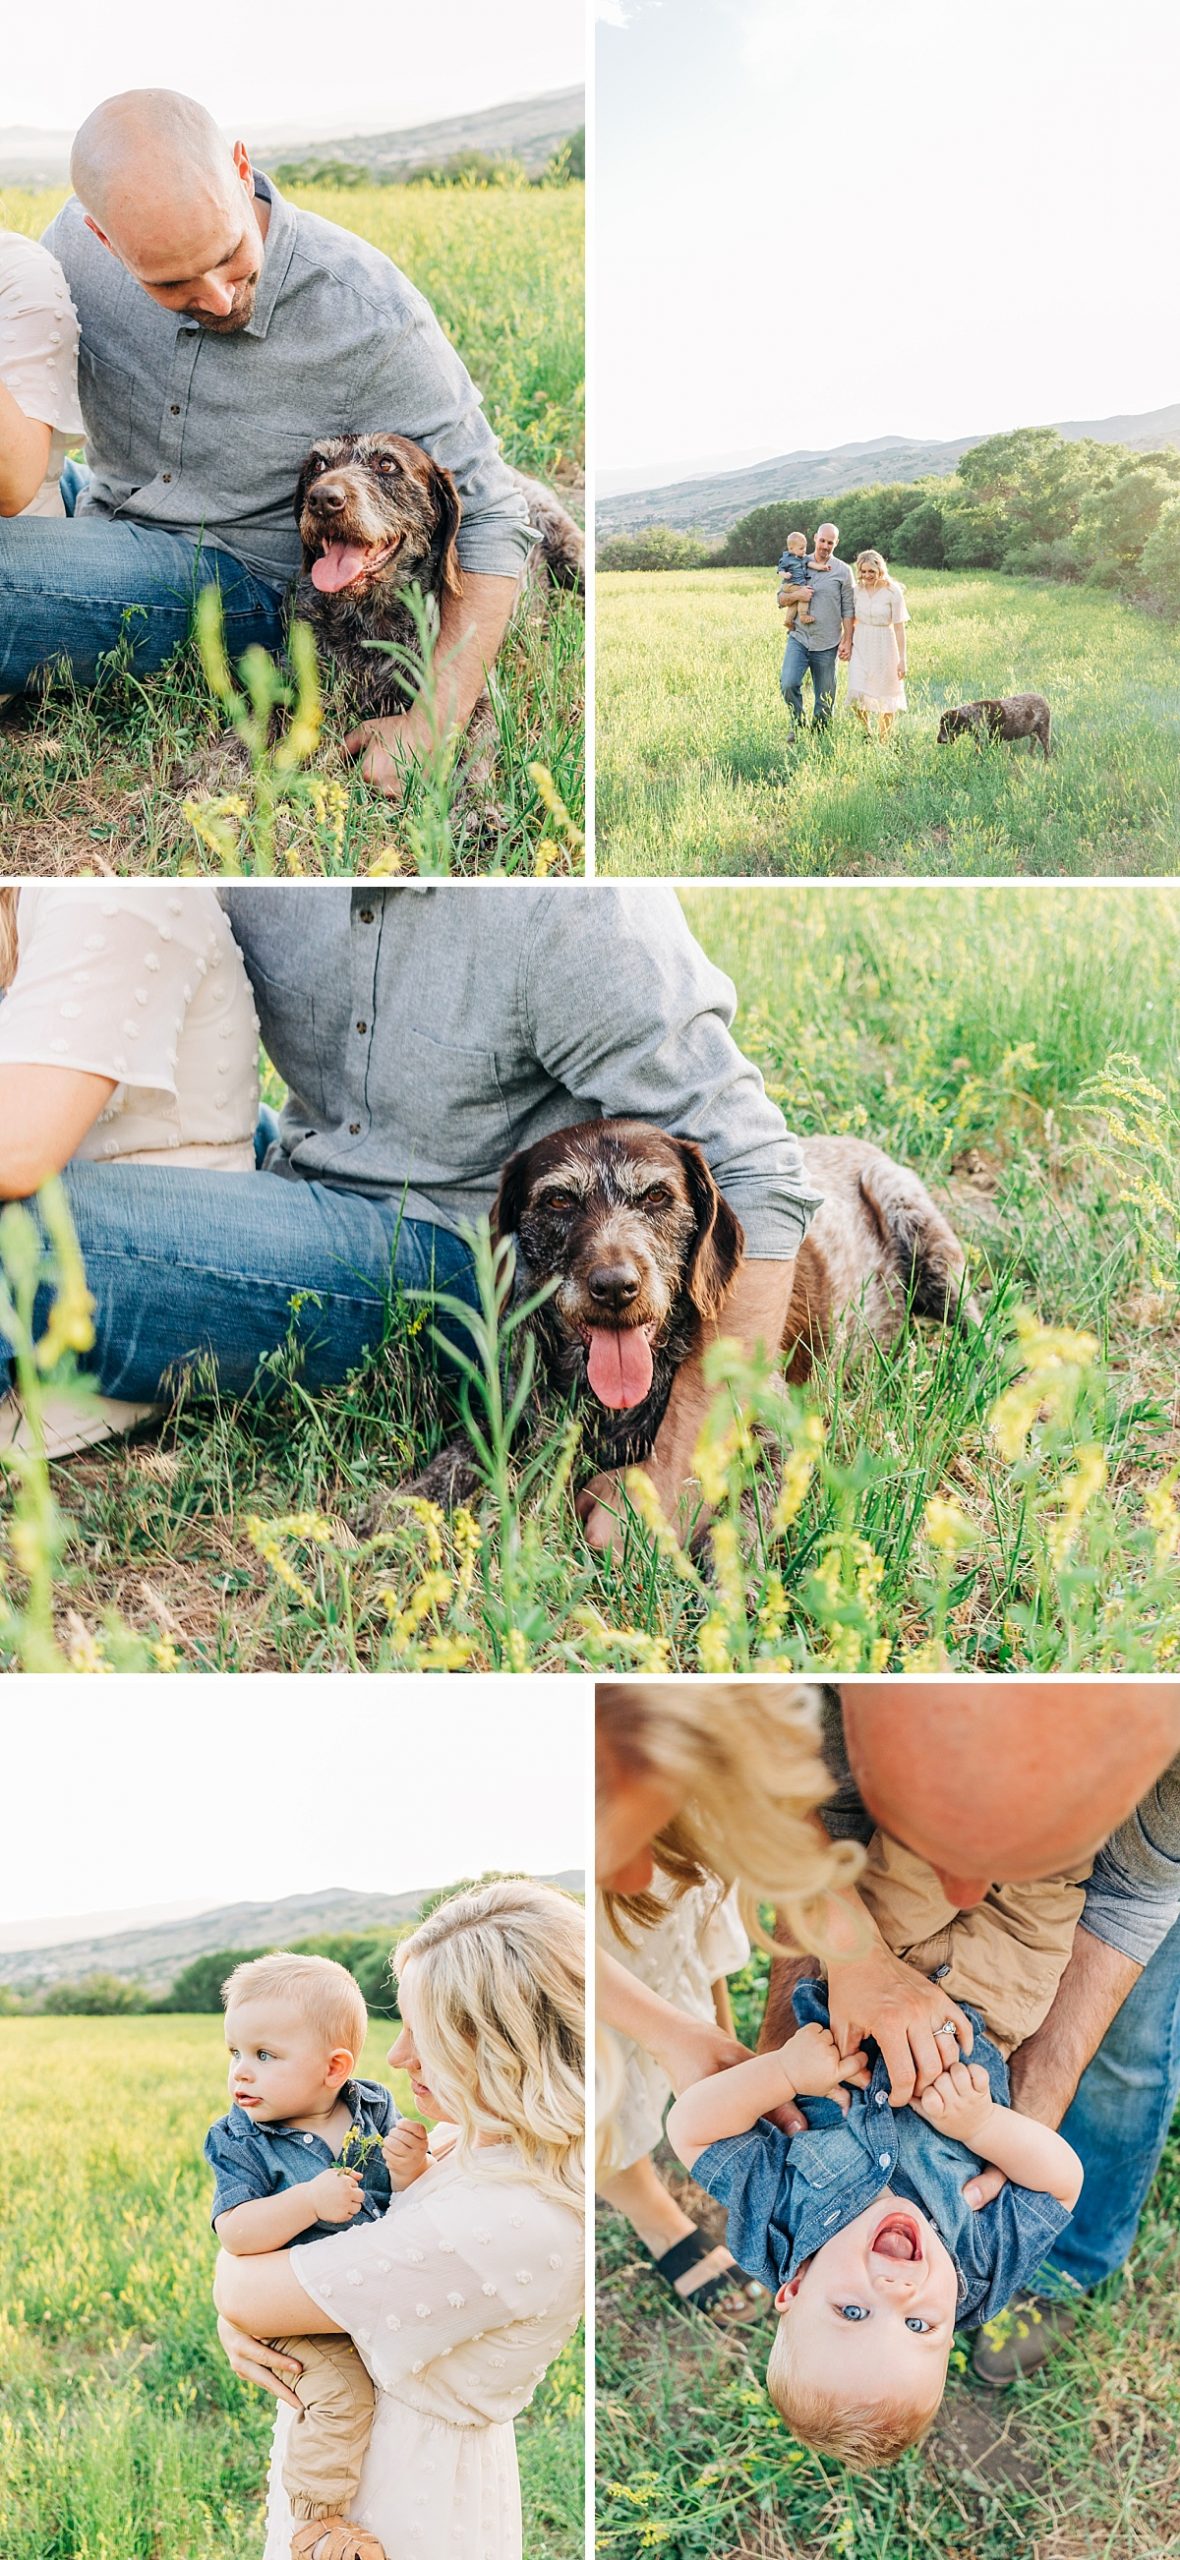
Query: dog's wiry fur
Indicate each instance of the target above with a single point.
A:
(631, 1225)
(385, 499)
(1014, 715)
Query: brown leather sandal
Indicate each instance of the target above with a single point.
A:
(343, 2541)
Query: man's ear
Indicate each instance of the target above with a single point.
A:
(449, 506)
(91, 225)
(720, 1243)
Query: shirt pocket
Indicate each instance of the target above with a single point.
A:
(446, 1102)
(829, 2158)
(295, 1036)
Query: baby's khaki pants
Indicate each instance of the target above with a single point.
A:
(1006, 1956)
(326, 2447)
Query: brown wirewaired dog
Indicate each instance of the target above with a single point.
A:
(1015, 715)
(377, 515)
(643, 1247)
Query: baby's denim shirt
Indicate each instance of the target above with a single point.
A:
(250, 2161)
(787, 2194)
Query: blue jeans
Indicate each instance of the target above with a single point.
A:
(66, 588)
(820, 665)
(1118, 2123)
(185, 1266)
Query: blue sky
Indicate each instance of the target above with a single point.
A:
(817, 225)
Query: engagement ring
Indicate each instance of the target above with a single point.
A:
(948, 2028)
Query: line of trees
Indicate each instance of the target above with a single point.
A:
(197, 1988)
(1033, 503)
(462, 169)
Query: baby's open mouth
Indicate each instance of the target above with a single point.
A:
(618, 1363)
(340, 564)
(898, 2236)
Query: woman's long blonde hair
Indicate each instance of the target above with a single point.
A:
(8, 937)
(874, 560)
(500, 2024)
(745, 1758)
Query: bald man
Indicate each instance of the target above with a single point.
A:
(1003, 1781)
(222, 333)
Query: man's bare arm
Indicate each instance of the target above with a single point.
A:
(471, 628)
(755, 1315)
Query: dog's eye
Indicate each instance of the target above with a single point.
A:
(317, 464)
(385, 462)
(562, 1201)
(658, 1197)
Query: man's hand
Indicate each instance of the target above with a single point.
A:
(337, 2195)
(879, 1996)
(817, 2067)
(845, 649)
(959, 2102)
(254, 2361)
(388, 749)
(404, 2153)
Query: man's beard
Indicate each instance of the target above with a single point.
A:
(240, 317)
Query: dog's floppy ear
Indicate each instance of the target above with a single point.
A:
(719, 1243)
(450, 509)
(510, 1198)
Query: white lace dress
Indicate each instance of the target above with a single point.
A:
(39, 354)
(872, 669)
(698, 1941)
(458, 2302)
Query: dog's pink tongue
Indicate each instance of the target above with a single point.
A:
(619, 1366)
(337, 566)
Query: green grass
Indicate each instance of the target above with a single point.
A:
(695, 774)
(1077, 2463)
(123, 2433)
(968, 1031)
(96, 781)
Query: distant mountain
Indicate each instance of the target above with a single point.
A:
(155, 1954)
(526, 129)
(714, 502)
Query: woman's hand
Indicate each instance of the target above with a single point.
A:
(817, 2067)
(879, 1996)
(253, 2361)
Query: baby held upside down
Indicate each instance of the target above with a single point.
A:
(859, 2225)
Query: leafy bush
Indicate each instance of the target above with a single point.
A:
(657, 546)
(1160, 564)
(96, 1995)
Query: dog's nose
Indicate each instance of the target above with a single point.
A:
(613, 1285)
(327, 498)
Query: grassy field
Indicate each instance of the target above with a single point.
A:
(97, 782)
(1000, 1502)
(695, 773)
(123, 2433)
(1078, 2463)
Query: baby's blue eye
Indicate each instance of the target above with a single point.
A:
(852, 2311)
(263, 2055)
(919, 2327)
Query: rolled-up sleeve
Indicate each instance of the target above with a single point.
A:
(624, 1009)
(414, 381)
(1133, 1896)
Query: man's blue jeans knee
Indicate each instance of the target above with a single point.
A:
(72, 588)
(820, 665)
(188, 1267)
(1119, 2121)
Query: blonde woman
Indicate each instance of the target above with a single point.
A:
(460, 2299)
(707, 1796)
(128, 1035)
(877, 667)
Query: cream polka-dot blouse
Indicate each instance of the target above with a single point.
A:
(39, 354)
(146, 985)
(457, 2301)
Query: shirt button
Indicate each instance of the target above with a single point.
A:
(309, 2137)
(175, 411)
(882, 2159)
(165, 475)
(366, 915)
(362, 1026)
(879, 2100)
(354, 1128)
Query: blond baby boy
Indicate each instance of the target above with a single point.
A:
(305, 2149)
